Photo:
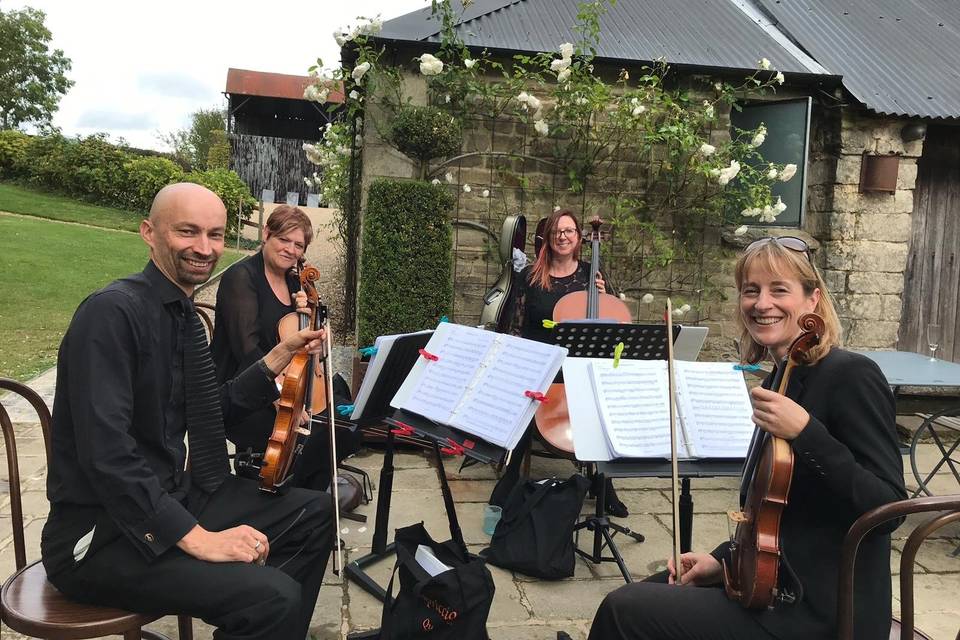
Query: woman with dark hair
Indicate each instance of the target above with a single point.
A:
(557, 271)
(252, 297)
(839, 418)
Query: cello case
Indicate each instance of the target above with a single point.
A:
(513, 235)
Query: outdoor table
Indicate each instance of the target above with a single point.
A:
(903, 369)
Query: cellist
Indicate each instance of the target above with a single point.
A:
(556, 271)
(838, 416)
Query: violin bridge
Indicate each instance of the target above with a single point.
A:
(737, 516)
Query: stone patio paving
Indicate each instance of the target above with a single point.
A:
(524, 608)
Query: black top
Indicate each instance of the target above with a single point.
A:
(846, 462)
(533, 304)
(117, 450)
(244, 330)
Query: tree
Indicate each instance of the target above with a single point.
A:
(192, 146)
(32, 77)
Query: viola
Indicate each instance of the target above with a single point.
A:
(751, 578)
(296, 392)
(513, 235)
(553, 417)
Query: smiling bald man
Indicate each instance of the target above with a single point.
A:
(130, 525)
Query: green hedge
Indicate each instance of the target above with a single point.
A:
(13, 147)
(146, 176)
(405, 270)
(423, 133)
(93, 169)
(231, 189)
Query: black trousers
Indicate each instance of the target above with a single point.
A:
(271, 602)
(655, 610)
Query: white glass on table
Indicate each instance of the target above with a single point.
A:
(933, 339)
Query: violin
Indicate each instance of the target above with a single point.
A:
(751, 578)
(553, 418)
(513, 235)
(297, 391)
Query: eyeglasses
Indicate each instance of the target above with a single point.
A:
(565, 232)
(787, 242)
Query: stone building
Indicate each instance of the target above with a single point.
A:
(882, 159)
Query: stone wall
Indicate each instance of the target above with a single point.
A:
(860, 240)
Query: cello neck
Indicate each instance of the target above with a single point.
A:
(593, 294)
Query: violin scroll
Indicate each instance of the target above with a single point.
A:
(812, 328)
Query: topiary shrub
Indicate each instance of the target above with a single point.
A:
(405, 282)
(231, 189)
(422, 133)
(13, 146)
(145, 177)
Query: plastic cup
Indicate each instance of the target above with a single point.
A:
(491, 516)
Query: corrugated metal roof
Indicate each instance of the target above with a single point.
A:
(898, 57)
(701, 33)
(271, 85)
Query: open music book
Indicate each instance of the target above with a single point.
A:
(713, 408)
(478, 382)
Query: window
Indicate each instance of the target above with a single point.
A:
(788, 136)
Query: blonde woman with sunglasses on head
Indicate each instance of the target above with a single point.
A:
(838, 416)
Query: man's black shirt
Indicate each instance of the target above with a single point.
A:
(117, 447)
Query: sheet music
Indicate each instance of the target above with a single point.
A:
(477, 384)
(632, 399)
(715, 409)
(444, 381)
(496, 408)
(383, 344)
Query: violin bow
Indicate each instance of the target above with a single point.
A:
(674, 465)
(334, 475)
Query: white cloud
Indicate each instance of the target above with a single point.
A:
(170, 59)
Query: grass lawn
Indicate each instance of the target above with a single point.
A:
(46, 269)
(30, 202)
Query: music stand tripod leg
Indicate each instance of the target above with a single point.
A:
(601, 526)
(356, 569)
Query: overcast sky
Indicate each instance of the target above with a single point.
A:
(142, 67)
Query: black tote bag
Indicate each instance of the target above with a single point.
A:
(453, 605)
(535, 532)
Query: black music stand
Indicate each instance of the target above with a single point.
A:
(599, 340)
(391, 373)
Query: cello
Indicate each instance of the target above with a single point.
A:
(751, 578)
(300, 383)
(512, 236)
(553, 418)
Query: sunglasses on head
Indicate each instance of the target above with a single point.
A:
(787, 242)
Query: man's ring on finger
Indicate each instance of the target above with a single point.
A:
(256, 546)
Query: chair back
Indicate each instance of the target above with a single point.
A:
(293, 198)
(313, 200)
(268, 196)
(13, 468)
(950, 508)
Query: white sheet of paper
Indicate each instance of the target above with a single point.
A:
(383, 344)
(430, 563)
(444, 381)
(634, 409)
(716, 409)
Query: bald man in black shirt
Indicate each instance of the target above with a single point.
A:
(130, 526)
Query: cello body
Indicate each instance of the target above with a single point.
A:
(513, 235)
(752, 576)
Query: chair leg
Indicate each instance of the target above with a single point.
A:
(185, 627)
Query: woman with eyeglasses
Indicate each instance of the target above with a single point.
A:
(252, 297)
(557, 271)
(839, 418)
